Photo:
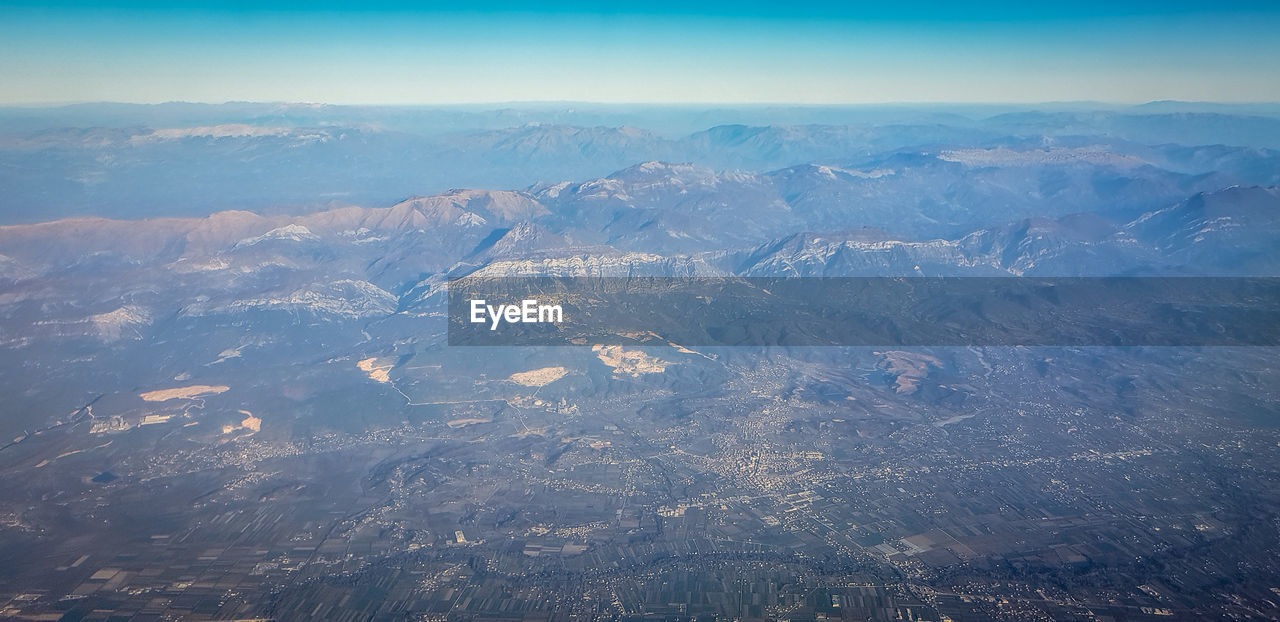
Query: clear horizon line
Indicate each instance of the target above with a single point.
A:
(543, 102)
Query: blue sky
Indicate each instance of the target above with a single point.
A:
(812, 52)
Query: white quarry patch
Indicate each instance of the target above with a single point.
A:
(250, 423)
(909, 368)
(629, 362)
(378, 369)
(466, 421)
(184, 393)
(539, 377)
